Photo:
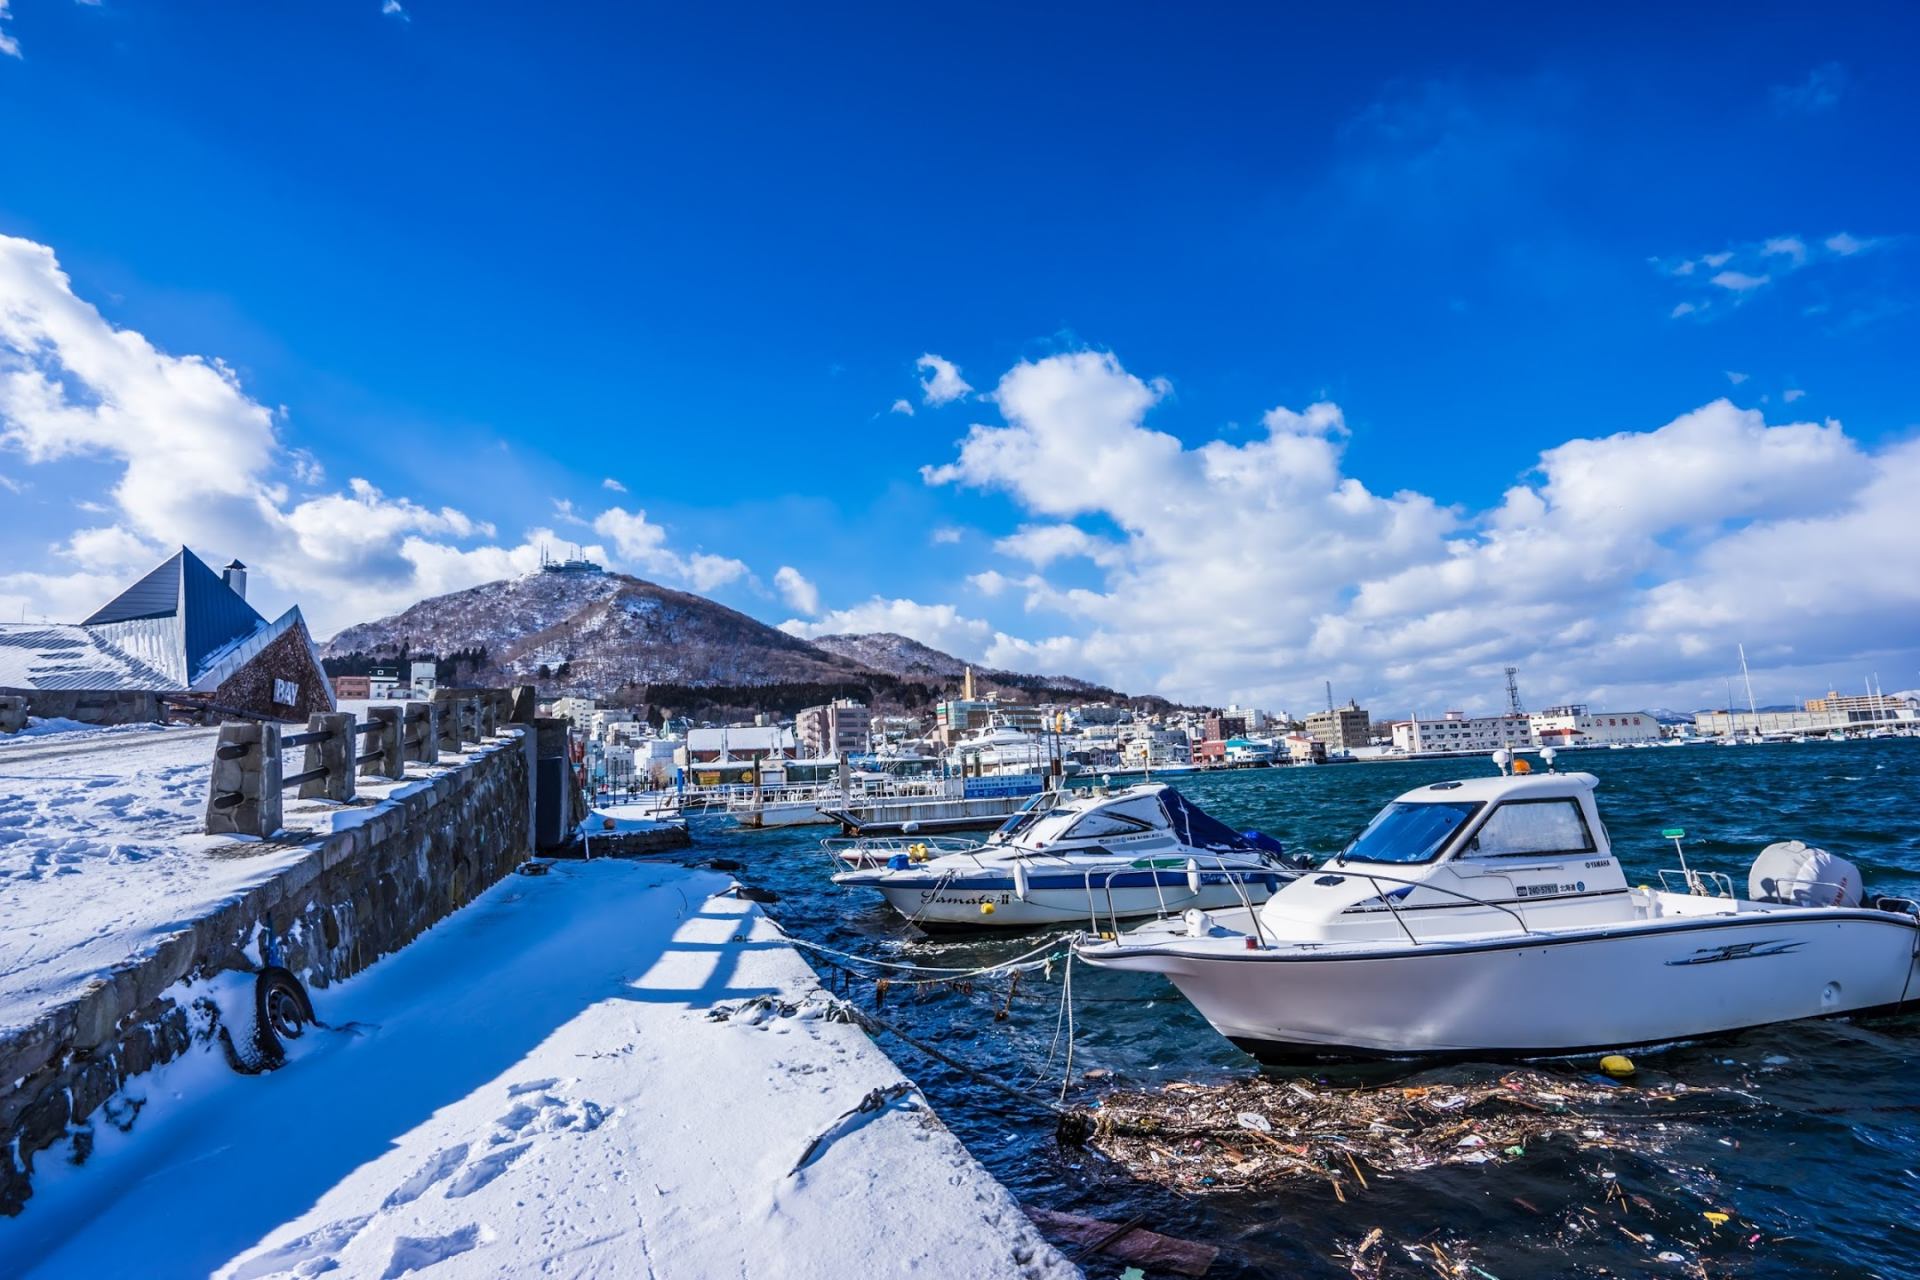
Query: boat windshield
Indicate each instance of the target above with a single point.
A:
(1404, 832)
(1027, 814)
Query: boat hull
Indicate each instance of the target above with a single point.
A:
(783, 815)
(1546, 997)
(959, 904)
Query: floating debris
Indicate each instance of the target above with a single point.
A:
(1261, 1131)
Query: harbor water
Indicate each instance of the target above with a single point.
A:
(1811, 1147)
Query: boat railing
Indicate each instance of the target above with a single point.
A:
(1699, 884)
(1375, 879)
(1200, 863)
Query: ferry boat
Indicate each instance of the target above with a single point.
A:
(1076, 857)
(1490, 917)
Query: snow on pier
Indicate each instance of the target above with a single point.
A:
(605, 1070)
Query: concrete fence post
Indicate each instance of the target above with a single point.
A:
(245, 796)
(521, 703)
(13, 713)
(385, 739)
(469, 720)
(446, 709)
(422, 733)
(487, 716)
(335, 755)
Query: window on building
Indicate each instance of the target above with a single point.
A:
(1527, 827)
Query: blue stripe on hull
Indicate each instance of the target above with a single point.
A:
(1122, 880)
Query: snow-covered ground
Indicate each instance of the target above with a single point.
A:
(539, 1085)
(102, 856)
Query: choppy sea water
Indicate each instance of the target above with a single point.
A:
(1816, 1158)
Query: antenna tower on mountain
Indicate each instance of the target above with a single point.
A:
(1513, 693)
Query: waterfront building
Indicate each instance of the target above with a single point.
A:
(841, 727)
(1221, 725)
(1575, 726)
(1304, 748)
(1862, 708)
(1457, 731)
(1897, 715)
(1340, 728)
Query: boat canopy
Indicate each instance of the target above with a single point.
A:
(1194, 827)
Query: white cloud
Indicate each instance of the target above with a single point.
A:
(1820, 91)
(1041, 544)
(1256, 569)
(796, 590)
(394, 9)
(642, 545)
(563, 512)
(902, 406)
(1791, 394)
(942, 383)
(939, 625)
(201, 464)
(1744, 270)
(1740, 281)
(8, 45)
(1737, 378)
(1791, 247)
(613, 486)
(946, 534)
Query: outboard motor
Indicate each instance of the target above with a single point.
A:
(1796, 874)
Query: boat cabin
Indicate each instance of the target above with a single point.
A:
(1526, 851)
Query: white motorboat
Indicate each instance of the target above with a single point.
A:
(1490, 917)
(1072, 858)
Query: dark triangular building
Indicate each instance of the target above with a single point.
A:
(180, 629)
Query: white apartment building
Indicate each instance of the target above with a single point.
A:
(1575, 726)
(1457, 731)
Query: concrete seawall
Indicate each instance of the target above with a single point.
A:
(359, 893)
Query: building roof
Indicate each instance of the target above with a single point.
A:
(55, 656)
(178, 627)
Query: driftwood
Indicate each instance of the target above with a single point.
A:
(1133, 1245)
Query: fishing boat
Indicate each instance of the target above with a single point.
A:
(1490, 917)
(1076, 857)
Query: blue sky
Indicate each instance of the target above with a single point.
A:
(485, 258)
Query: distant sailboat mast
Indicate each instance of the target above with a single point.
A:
(1751, 709)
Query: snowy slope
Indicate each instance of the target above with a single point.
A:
(536, 1086)
(609, 627)
(895, 654)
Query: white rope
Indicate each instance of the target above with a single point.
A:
(1025, 959)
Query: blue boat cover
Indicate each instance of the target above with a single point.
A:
(1194, 827)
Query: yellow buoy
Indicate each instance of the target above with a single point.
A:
(1617, 1065)
(986, 908)
(1717, 1218)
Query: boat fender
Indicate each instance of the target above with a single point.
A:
(1020, 881)
(1617, 1065)
(1199, 923)
(986, 908)
(898, 862)
(1193, 877)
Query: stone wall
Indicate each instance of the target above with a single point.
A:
(91, 706)
(358, 895)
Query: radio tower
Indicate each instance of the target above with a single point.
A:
(1513, 693)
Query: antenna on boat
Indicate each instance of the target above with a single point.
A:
(1677, 834)
(1501, 759)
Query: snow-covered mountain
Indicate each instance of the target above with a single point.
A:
(603, 634)
(607, 629)
(895, 654)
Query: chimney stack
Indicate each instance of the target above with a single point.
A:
(235, 576)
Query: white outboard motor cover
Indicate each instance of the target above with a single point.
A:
(1793, 872)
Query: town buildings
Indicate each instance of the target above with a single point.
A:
(1575, 726)
(1457, 731)
(1340, 728)
(841, 727)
